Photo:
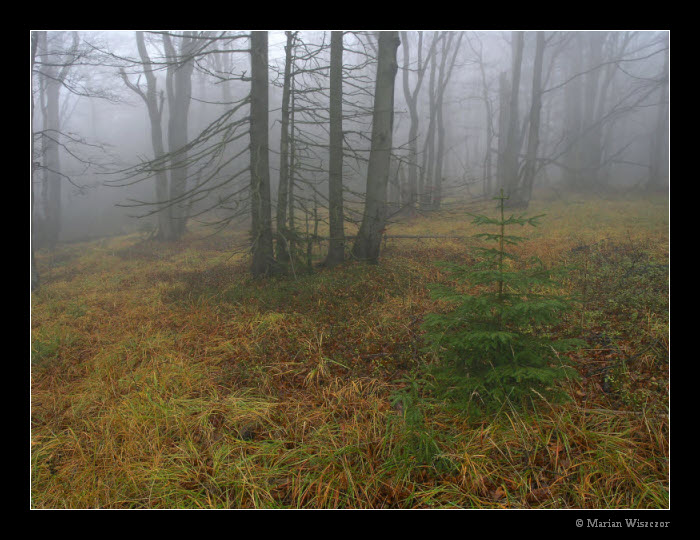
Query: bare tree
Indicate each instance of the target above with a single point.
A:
(512, 144)
(336, 250)
(178, 85)
(368, 242)
(523, 195)
(283, 186)
(659, 139)
(443, 80)
(411, 97)
(154, 101)
(488, 110)
(34, 280)
(261, 209)
(56, 62)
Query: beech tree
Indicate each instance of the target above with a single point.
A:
(443, 79)
(368, 241)
(336, 249)
(170, 180)
(658, 154)
(178, 84)
(512, 142)
(283, 238)
(261, 208)
(154, 101)
(411, 97)
(488, 111)
(533, 138)
(34, 280)
(55, 64)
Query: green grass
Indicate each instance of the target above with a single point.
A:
(165, 377)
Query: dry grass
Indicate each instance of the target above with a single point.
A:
(164, 377)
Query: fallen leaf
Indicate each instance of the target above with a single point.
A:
(499, 493)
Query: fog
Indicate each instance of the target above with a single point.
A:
(603, 122)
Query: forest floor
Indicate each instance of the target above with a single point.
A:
(164, 376)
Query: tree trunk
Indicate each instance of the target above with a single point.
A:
(58, 62)
(292, 166)
(336, 250)
(503, 122)
(658, 162)
(533, 137)
(283, 188)
(179, 88)
(155, 113)
(34, 280)
(425, 181)
(261, 210)
(591, 140)
(411, 100)
(368, 242)
(511, 162)
(413, 188)
(489, 131)
(573, 122)
(443, 80)
(52, 133)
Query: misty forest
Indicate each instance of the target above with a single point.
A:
(349, 269)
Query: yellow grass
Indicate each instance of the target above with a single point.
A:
(165, 377)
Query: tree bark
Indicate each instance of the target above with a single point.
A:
(261, 210)
(368, 243)
(336, 250)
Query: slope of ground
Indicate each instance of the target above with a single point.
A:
(163, 376)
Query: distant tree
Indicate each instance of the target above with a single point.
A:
(154, 101)
(178, 84)
(512, 140)
(56, 61)
(34, 280)
(178, 60)
(503, 127)
(428, 162)
(411, 97)
(488, 110)
(601, 91)
(368, 242)
(524, 191)
(658, 155)
(443, 79)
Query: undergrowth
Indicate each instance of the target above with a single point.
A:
(164, 377)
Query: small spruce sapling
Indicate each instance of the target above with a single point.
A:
(494, 345)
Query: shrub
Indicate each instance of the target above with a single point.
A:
(495, 343)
